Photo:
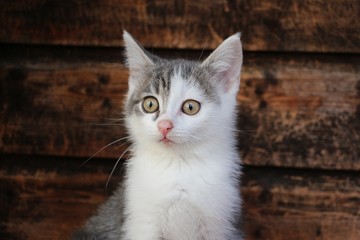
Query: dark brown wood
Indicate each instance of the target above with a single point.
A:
(284, 204)
(61, 110)
(51, 197)
(295, 111)
(314, 26)
(299, 114)
(298, 111)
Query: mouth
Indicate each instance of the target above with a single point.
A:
(166, 141)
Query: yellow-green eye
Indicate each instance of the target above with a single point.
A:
(191, 107)
(150, 104)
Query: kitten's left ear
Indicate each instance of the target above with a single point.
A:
(226, 60)
(137, 59)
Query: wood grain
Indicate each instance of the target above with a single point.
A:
(295, 111)
(296, 25)
(51, 197)
(48, 199)
(62, 86)
(287, 204)
(298, 111)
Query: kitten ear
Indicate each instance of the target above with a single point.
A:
(226, 61)
(136, 57)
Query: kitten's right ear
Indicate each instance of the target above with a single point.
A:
(136, 57)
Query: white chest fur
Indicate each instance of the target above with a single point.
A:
(169, 197)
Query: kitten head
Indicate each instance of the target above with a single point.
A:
(180, 104)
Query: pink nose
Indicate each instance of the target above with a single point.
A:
(165, 127)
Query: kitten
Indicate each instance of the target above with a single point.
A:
(182, 178)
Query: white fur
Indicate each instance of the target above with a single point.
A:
(187, 190)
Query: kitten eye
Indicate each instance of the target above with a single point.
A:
(150, 105)
(191, 107)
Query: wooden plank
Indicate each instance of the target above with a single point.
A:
(295, 110)
(48, 198)
(313, 26)
(287, 204)
(61, 110)
(301, 111)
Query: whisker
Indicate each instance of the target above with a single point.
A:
(111, 122)
(114, 119)
(112, 143)
(187, 135)
(126, 142)
(203, 49)
(108, 124)
(248, 132)
(201, 54)
(117, 162)
(117, 110)
(193, 136)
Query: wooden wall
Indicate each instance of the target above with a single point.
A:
(62, 79)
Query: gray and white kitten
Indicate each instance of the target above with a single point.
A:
(182, 178)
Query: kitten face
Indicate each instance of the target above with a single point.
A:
(171, 106)
(179, 103)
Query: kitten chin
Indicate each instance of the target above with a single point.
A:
(182, 181)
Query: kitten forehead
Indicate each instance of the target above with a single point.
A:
(189, 71)
(159, 77)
